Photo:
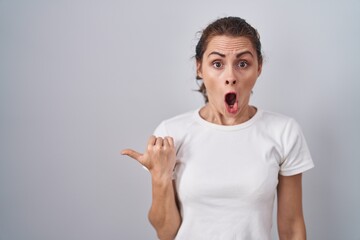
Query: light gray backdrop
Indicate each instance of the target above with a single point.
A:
(81, 80)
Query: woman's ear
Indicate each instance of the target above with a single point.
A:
(259, 69)
(198, 69)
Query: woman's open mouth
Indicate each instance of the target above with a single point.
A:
(231, 102)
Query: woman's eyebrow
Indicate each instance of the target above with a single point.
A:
(243, 53)
(217, 53)
(237, 55)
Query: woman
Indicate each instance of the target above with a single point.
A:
(215, 171)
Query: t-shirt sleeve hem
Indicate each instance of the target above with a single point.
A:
(297, 170)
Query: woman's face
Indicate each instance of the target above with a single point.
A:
(229, 69)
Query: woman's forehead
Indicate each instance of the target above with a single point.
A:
(229, 45)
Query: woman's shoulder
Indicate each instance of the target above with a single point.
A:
(277, 120)
(276, 117)
(177, 124)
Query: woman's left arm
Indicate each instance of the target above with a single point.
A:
(290, 218)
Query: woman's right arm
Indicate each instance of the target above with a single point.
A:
(160, 159)
(164, 214)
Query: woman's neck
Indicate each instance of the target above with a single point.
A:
(211, 114)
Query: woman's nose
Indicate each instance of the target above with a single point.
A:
(230, 82)
(230, 76)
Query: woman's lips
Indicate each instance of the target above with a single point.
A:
(231, 102)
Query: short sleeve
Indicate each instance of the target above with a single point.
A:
(296, 154)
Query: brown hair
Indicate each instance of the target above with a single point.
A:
(228, 26)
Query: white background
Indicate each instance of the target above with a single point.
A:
(81, 80)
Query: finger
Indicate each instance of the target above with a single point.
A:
(152, 140)
(159, 142)
(170, 140)
(131, 153)
(166, 143)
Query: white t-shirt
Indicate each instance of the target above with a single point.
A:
(226, 176)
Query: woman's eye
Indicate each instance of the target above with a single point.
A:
(217, 64)
(242, 64)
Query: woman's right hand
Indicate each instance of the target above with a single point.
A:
(159, 157)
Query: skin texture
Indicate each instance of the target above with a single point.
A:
(229, 64)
